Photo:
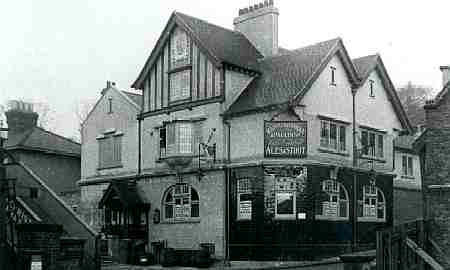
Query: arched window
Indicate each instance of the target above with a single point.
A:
(372, 207)
(332, 203)
(181, 202)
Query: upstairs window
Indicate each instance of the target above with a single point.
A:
(372, 207)
(333, 76)
(371, 91)
(372, 144)
(179, 49)
(181, 202)
(180, 137)
(407, 165)
(110, 150)
(332, 136)
(110, 105)
(180, 85)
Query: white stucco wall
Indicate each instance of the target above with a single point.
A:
(407, 181)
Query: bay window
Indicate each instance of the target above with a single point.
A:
(372, 144)
(180, 138)
(332, 136)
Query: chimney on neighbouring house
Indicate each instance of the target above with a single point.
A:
(109, 84)
(20, 116)
(445, 74)
(259, 24)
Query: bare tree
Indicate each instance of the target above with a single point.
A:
(82, 109)
(46, 119)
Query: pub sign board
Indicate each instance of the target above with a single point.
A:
(285, 139)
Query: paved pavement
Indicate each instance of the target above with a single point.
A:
(327, 264)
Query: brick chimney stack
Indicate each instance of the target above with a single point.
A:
(20, 116)
(259, 24)
(109, 84)
(445, 74)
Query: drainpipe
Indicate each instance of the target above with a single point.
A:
(139, 144)
(355, 164)
(227, 195)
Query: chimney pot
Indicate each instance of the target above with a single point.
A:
(113, 83)
(255, 7)
(261, 5)
(245, 10)
(250, 8)
(445, 74)
(266, 3)
(270, 2)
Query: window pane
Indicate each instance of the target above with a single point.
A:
(194, 195)
(185, 138)
(404, 165)
(169, 211)
(342, 145)
(285, 203)
(162, 142)
(410, 166)
(323, 134)
(169, 197)
(380, 146)
(364, 144)
(372, 144)
(195, 211)
(180, 85)
(343, 208)
(333, 136)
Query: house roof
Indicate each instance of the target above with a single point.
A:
(438, 98)
(127, 192)
(364, 65)
(35, 206)
(283, 76)
(222, 45)
(39, 139)
(405, 141)
(136, 98)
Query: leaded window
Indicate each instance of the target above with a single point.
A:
(181, 202)
(332, 203)
(372, 207)
(332, 136)
(180, 85)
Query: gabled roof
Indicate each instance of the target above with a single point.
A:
(136, 98)
(433, 103)
(364, 66)
(221, 45)
(127, 192)
(38, 139)
(405, 142)
(289, 76)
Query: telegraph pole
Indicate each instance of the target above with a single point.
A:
(4, 253)
(355, 164)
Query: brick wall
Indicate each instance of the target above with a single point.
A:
(408, 205)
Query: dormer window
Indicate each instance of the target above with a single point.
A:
(333, 75)
(179, 49)
(371, 92)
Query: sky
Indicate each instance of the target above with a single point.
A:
(62, 52)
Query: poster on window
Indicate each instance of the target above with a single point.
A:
(245, 210)
(285, 139)
(330, 209)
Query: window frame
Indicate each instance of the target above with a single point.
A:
(407, 166)
(375, 152)
(248, 193)
(182, 97)
(281, 188)
(372, 197)
(196, 137)
(335, 193)
(371, 90)
(340, 140)
(113, 141)
(182, 198)
(333, 76)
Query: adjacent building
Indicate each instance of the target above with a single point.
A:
(241, 146)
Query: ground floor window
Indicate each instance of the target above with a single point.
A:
(244, 197)
(372, 207)
(181, 202)
(333, 202)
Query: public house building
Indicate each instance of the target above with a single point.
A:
(247, 148)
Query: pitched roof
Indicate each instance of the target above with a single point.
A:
(127, 192)
(438, 98)
(283, 76)
(136, 98)
(405, 141)
(35, 206)
(364, 65)
(221, 44)
(39, 139)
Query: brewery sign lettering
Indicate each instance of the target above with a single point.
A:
(285, 139)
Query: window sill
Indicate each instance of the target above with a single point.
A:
(333, 151)
(181, 221)
(377, 159)
(182, 67)
(371, 219)
(407, 177)
(290, 217)
(110, 167)
(179, 101)
(326, 218)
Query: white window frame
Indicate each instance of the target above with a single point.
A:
(370, 193)
(407, 168)
(373, 152)
(183, 193)
(244, 187)
(326, 143)
(286, 185)
(180, 85)
(334, 192)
